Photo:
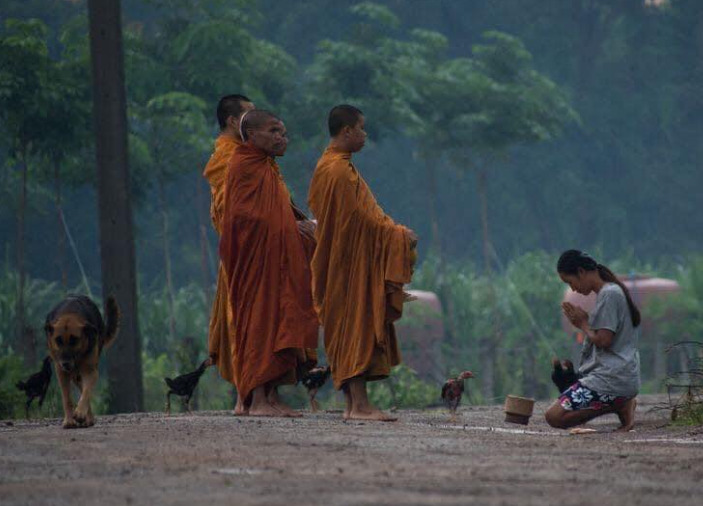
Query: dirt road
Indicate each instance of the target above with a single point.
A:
(213, 458)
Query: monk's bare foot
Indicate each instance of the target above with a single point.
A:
(626, 414)
(264, 410)
(348, 403)
(240, 409)
(372, 414)
(285, 410)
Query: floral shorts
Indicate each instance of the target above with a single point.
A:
(578, 397)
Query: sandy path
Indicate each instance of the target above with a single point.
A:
(214, 458)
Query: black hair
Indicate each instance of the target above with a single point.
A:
(572, 260)
(229, 105)
(341, 116)
(255, 119)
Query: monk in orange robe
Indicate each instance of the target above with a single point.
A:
(269, 277)
(362, 260)
(221, 344)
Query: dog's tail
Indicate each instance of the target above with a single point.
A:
(112, 321)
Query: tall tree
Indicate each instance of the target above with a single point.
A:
(510, 104)
(119, 277)
(173, 131)
(25, 96)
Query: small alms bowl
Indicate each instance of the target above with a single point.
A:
(518, 409)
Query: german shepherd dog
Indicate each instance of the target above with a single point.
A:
(76, 336)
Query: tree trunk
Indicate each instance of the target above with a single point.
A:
(117, 255)
(435, 238)
(61, 243)
(491, 341)
(167, 257)
(483, 201)
(443, 288)
(23, 344)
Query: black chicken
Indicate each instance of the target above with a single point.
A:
(453, 390)
(563, 375)
(184, 385)
(313, 381)
(36, 385)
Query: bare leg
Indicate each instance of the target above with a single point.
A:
(239, 408)
(276, 402)
(65, 384)
(87, 383)
(626, 414)
(26, 408)
(361, 408)
(314, 405)
(348, 402)
(260, 405)
(168, 403)
(560, 418)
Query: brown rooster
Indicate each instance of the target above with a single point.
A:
(452, 391)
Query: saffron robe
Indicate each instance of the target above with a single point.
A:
(361, 262)
(221, 344)
(269, 275)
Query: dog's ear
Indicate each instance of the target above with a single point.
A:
(48, 330)
(90, 333)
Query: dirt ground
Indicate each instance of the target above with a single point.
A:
(214, 458)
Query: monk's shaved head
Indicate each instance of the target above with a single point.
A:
(255, 120)
(341, 116)
(230, 106)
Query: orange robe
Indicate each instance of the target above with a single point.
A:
(221, 344)
(269, 275)
(361, 262)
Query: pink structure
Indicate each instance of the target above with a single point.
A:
(420, 332)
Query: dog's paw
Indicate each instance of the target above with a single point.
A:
(83, 418)
(69, 423)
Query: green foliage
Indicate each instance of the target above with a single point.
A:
(11, 399)
(40, 297)
(403, 390)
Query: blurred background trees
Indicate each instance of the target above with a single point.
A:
(502, 132)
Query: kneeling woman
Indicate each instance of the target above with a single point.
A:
(610, 364)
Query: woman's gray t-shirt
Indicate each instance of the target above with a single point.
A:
(614, 370)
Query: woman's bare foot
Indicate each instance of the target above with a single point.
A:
(626, 414)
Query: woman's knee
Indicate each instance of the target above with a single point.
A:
(554, 417)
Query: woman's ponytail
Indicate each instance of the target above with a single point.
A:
(608, 275)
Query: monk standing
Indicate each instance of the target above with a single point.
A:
(269, 276)
(363, 259)
(221, 345)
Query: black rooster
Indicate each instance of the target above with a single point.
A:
(184, 385)
(563, 375)
(36, 385)
(453, 390)
(313, 381)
